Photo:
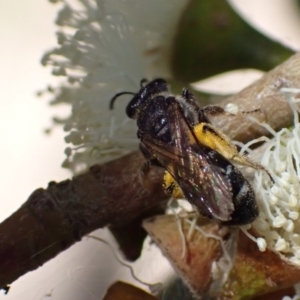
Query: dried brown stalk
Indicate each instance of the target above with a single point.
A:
(254, 273)
(195, 266)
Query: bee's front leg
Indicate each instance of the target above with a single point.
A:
(150, 161)
(146, 167)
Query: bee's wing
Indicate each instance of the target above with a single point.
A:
(202, 182)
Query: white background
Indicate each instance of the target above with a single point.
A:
(29, 159)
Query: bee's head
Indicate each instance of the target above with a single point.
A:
(146, 92)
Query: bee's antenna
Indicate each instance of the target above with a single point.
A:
(112, 101)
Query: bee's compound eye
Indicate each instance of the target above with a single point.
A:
(133, 106)
(131, 111)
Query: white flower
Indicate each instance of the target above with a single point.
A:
(279, 204)
(106, 47)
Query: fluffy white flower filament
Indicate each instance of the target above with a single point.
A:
(278, 224)
(105, 47)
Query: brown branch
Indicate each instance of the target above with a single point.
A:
(264, 94)
(53, 219)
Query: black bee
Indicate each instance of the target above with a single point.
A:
(176, 134)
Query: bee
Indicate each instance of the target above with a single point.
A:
(176, 134)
